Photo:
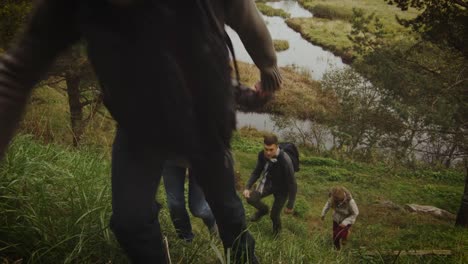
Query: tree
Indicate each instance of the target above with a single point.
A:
(82, 89)
(443, 21)
(72, 68)
(361, 119)
(424, 81)
(12, 16)
(367, 32)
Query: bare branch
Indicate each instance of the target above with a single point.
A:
(455, 155)
(51, 83)
(94, 101)
(461, 3)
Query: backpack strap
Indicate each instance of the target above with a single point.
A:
(231, 49)
(205, 5)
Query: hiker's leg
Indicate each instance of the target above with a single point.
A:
(199, 206)
(215, 175)
(255, 200)
(275, 215)
(174, 180)
(345, 234)
(136, 173)
(336, 235)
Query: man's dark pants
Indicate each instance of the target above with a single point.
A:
(255, 200)
(136, 173)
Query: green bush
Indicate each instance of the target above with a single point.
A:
(332, 12)
(318, 161)
(447, 176)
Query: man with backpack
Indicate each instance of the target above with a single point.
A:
(275, 174)
(147, 56)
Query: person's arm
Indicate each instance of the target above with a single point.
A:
(50, 30)
(256, 172)
(354, 213)
(325, 209)
(245, 19)
(288, 171)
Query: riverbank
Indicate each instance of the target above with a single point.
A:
(299, 96)
(329, 34)
(331, 24)
(280, 45)
(270, 11)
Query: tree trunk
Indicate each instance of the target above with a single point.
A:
(76, 108)
(462, 216)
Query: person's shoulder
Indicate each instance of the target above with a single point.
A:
(284, 157)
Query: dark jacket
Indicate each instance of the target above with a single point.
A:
(147, 58)
(280, 177)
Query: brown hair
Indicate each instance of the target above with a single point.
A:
(339, 194)
(270, 139)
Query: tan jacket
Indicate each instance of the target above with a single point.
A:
(345, 213)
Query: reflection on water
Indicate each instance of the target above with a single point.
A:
(264, 122)
(261, 122)
(292, 7)
(300, 53)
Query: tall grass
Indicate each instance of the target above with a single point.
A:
(55, 208)
(271, 11)
(280, 44)
(329, 34)
(55, 205)
(331, 12)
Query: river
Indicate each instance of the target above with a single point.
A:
(301, 54)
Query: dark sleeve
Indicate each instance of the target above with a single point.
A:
(257, 171)
(50, 30)
(290, 179)
(244, 17)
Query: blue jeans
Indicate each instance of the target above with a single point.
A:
(136, 173)
(174, 180)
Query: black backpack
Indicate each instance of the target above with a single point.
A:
(292, 152)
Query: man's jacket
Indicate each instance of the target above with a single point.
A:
(163, 65)
(280, 177)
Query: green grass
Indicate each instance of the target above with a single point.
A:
(329, 34)
(55, 204)
(331, 24)
(270, 11)
(331, 12)
(48, 119)
(280, 44)
(342, 9)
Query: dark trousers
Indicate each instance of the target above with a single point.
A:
(174, 180)
(339, 234)
(136, 173)
(255, 200)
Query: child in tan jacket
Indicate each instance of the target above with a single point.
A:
(344, 215)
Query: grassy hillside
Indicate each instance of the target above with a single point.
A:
(55, 200)
(55, 205)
